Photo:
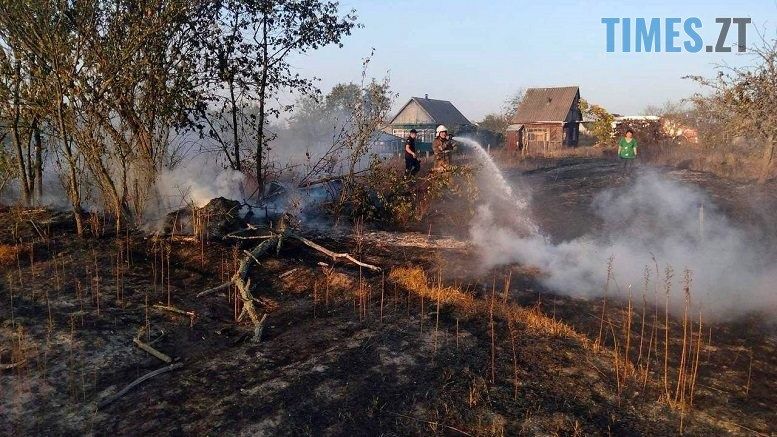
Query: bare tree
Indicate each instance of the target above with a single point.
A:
(498, 122)
(249, 51)
(227, 70)
(20, 88)
(512, 102)
(368, 107)
(119, 77)
(743, 100)
(103, 85)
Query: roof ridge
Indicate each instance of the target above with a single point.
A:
(427, 98)
(546, 104)
(441, 111)
(552, 87)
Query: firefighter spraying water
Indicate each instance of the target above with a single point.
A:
(443, 147)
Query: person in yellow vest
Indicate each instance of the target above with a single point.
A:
(442, 146)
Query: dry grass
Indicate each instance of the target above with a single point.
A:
(416, 281)
(532, 161)
(737, 165)
(679, 397)
(565, 152)
(451, 302)
(730, 164)
(9, 254)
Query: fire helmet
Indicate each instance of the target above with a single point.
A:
(441, 128)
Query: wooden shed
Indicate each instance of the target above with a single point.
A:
(514, 137)
(547, 119)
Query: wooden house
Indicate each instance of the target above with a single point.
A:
(547, 119)
(424, 115)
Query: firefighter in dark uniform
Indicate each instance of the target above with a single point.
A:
(412, 163)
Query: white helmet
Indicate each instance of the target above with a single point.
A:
(441, 128)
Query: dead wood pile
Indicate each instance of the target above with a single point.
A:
(274, 241)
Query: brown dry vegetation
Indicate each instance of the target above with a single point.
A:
(429, 346)
(731, 164)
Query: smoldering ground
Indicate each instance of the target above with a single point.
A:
(649, 225)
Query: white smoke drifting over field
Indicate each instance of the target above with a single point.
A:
(652, 220)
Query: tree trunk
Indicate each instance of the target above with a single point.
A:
(23, 182)
(75, 201)
(38, 180)
(17, 137)
(262, 99)
(236, 164)
(260, 143)
(767, 160)
(103, 174)
(30, 171)
(73, 189)
(107, 186)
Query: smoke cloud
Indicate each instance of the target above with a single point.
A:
(197, 181)
(653, 222)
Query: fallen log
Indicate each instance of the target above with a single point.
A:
(332, 254)
(290, 272)
(104, 403)
(214, 289)
(12, 365)
(259, 329)
(249, 237)
(242, 281)
(252, 256)
(148, 348)
(151, 351)
(190, 314)
(175, 310)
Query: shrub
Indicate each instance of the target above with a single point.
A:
(386, 196)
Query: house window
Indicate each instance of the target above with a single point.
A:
(422, 136)
(401, 133)
(537, 134)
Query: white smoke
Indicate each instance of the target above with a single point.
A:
(193, 182)
(652, 222)
(197, 181)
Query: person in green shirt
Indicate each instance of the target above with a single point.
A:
(627, 149)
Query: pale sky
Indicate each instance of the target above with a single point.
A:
(477, 53)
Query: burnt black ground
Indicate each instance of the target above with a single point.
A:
(331, 370)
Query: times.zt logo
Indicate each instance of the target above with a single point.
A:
(673, 34)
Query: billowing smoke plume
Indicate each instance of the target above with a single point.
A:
(652, 222)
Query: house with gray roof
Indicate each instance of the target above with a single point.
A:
(424, 115)
(547, 119)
